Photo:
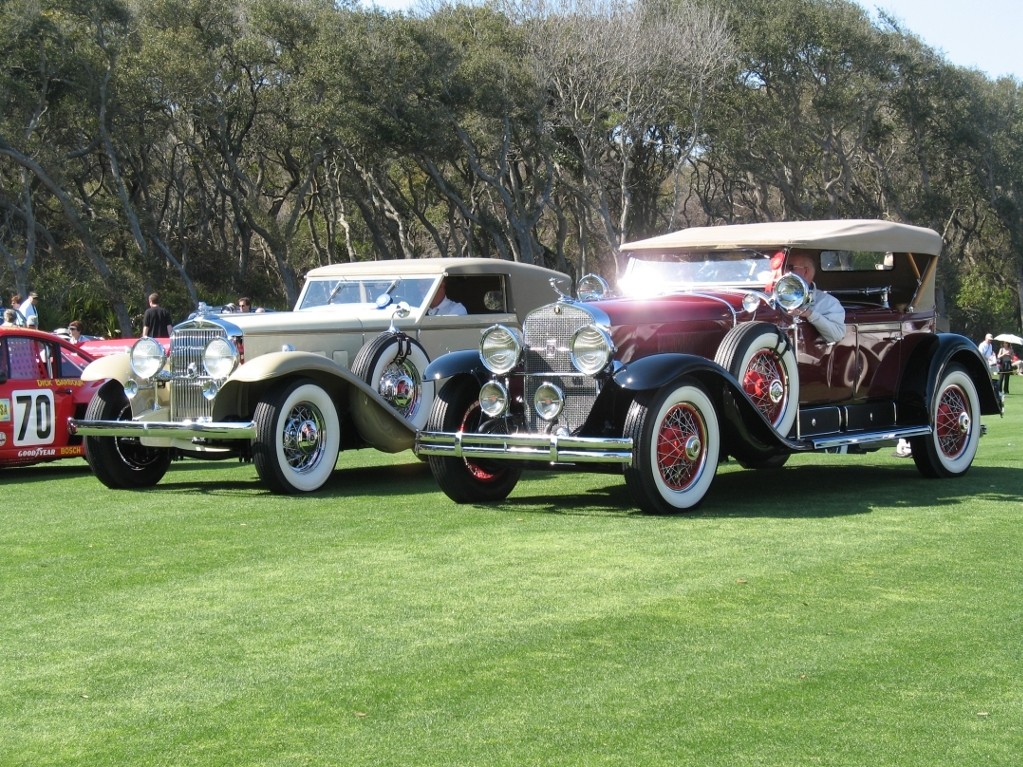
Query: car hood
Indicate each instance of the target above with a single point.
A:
(676, 307)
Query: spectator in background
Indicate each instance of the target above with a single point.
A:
(156, 322)
(245, 304)
(1004, 366)
(10, 318)
(987, 351)
(29, 311)
(19, 318)
(75, 331)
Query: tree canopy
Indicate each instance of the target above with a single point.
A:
(213, 148)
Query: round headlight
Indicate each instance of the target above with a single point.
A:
(591, 349)
(220, 358)
(751, 301)
(548, 401)
(500, 348)
(592, 287)
(147, 358)
(493, 399)
(791, 292)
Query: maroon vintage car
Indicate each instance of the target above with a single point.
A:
(714, 346)
(40, 389)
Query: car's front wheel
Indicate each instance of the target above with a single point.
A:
(298, 437)
(465, 480)
(677, 442)
(949, 449)
(121, 462)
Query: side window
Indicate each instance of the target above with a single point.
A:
(27, 358)
(480, 294)
(71, 364)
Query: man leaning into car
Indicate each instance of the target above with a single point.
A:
(825, 312)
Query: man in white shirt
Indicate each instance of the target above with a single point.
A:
(441, 304)
(825, 312)
(987, 350)
(28, 310)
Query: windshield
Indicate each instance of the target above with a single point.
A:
(356, 293)
(657, 273)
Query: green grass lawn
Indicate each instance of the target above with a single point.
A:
(840, 611)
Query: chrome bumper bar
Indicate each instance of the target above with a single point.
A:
(165, 429)
(548, 448)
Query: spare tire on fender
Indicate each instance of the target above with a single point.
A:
(393, 364)
(761, 357)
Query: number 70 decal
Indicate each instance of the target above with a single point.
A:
(33, 416)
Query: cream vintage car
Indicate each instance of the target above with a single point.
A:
(290, 390)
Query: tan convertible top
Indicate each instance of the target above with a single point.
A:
(845, 234)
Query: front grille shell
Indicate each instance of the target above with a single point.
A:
(547, 334)
(187, 402)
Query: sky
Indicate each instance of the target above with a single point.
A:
(982, 34)
(979, 34)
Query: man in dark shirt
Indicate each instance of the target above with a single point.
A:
(156, 322)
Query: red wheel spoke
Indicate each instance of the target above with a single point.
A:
(681, 447)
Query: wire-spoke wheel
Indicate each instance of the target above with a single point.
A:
(676, 443)
(949, 449)
(298, 437)
(467, 480)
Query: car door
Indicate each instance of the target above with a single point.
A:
(35, 402)
(858, 367)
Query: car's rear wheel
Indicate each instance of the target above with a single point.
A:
(761, 358)
(677, 442)
(298, 437)
(393, 364)
(121, 462)
(464, 480)
(949, 449)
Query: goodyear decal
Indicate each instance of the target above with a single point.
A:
(38, 452)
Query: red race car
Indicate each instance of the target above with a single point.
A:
(40, 388)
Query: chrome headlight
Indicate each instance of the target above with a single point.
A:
(493, 399)
(592, 287)
(220, 358)
(792, 292)
(548, 401)
(147, 358)
(751, 301)
(591, 349)
(500, 349)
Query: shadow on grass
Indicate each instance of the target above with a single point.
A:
(799, 491)
(348, 481)
(807, 491)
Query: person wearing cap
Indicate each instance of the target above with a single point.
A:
(987, 351)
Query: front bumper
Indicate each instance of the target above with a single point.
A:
(185, 430)
(545, 448)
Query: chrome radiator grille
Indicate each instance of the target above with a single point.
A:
(548, 333)
(186, 399)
